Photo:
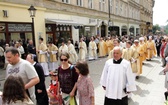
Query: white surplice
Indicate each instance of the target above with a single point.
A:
(63, 49)
(92, 50)
(73, 57)
(116, 77)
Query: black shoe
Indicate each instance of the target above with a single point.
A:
(137, 77)
(148, 59)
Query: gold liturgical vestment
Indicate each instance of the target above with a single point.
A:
(151, 49)
(131, 55)
(42, 57)
(102, 46)
(140, 51)
(53, 50)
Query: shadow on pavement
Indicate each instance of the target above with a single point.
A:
(155, 61)
(140, 92)
(145, 80)
(147, 64)
(132, 102)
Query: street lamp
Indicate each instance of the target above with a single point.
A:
(32, 12)
(110, 28)
(109, 12)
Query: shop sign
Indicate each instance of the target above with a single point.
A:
(87, 28)
(19, 27)
(2, 27)
(92, 20)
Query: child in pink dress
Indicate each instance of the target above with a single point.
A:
(84, 84)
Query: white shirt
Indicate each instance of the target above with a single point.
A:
(1, 51)
(21, 49)
(116, 77)
(123, 44)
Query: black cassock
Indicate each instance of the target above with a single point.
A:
(42, 98)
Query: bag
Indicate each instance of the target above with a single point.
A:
(73, 101)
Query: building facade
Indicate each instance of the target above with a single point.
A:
(146, 16)
(63, 19)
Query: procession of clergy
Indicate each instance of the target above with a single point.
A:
(135, 50)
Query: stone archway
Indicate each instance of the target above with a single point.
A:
(124, 30)
(132, 30)
(103, 29)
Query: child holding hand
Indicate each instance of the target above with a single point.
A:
(53, 91)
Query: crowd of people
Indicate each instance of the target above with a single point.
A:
(69, 71)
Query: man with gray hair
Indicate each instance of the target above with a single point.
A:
(117, 79)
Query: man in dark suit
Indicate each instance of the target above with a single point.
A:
(158, 45)
(31, 49)
(40, 89)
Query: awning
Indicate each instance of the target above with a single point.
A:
(63, 22)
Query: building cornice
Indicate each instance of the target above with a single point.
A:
(20, 6)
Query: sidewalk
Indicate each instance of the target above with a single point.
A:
(150, 86)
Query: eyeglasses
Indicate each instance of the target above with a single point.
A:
(63, 60)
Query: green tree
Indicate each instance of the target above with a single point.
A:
(155, 28)
(166, 29)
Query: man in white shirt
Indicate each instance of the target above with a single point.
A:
(21, 50)
(117, 79)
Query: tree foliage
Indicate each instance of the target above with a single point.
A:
(156, 28)
(166, 29)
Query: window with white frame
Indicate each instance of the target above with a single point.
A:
(121, 9)
(116, 11)
(138, 16)
(130, 12)
(90, 4)
(103, 5)
(125, 13)
(79, 2)
(111, 6)
(100, 5)
(66, 1)
(135, 14)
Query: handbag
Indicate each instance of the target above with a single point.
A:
(73, 101)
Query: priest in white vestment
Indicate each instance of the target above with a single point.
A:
(82, 50)
(53, 62)
(63, 48)
(117, 79)
(73, 57)
(42, 56)
(92, 49)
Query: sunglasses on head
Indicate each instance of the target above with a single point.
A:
(63, 59)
